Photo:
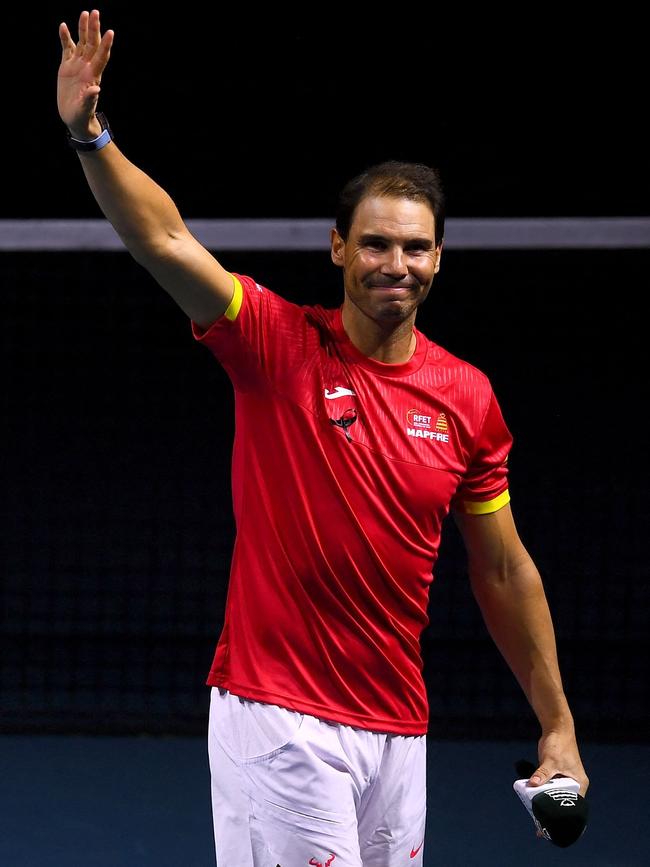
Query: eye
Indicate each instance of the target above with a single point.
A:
(375, 244)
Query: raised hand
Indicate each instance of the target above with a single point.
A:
(80, 74)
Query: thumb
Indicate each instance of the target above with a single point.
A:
(91, 97)
(540, 776)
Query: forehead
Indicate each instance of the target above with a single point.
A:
(383, 215)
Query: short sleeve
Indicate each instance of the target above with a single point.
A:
(484, 487)
(260, 336)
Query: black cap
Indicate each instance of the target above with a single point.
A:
(561, 815)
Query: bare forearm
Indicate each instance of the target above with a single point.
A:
(517, 616)
(509, 591)
(141, 212)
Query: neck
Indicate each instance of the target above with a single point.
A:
(391, 344)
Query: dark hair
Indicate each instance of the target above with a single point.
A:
(395, 180)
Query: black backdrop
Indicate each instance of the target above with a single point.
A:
(266, 113)
(117, 526)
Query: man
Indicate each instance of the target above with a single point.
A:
(355, 435)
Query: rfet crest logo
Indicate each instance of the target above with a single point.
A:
(414, 418)
(427, 427)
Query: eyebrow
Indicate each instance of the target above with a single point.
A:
(370, 237)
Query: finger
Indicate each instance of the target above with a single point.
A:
(83, 33)
(90, 98)
(93, 28)
(67, 45)
(542, 775)
(104, 51)
(93, 36)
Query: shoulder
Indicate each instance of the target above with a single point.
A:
(449, 369)
(262, 302)
(313, 313)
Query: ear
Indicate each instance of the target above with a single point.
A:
(337, 248)
(438, 254)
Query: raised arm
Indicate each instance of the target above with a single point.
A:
(142, 213)
(509, 592)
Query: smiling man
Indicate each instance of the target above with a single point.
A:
(389, 256)
(355, 436)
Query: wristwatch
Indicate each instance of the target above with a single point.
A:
(94, 144)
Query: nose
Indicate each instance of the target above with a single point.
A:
(395, 262)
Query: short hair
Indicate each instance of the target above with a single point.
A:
(396, 180)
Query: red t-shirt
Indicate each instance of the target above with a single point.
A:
(343, 471)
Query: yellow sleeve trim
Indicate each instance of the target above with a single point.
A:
(232, 311)
(487, 506)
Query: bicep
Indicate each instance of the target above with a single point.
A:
(492, 542)
(192, 276)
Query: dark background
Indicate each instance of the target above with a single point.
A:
(117, 428)
(266, 112)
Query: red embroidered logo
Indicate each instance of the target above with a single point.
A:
(414, 852)
(316, 863)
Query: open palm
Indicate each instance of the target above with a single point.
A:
(80, 72)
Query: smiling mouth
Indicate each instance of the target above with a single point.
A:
(393, 287)
(391, 290)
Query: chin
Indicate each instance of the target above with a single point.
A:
(392, 315)
(398, 309)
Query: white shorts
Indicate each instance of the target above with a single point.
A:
(290, 789)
